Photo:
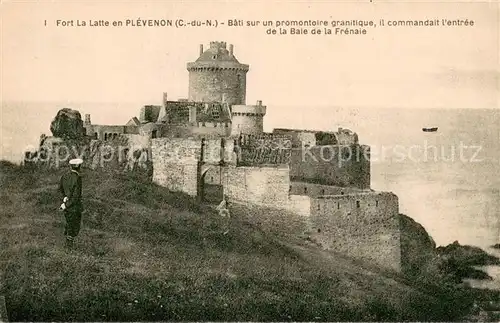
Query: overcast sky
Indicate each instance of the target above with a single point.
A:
(389, 67)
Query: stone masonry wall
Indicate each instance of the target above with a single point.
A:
(258, 185)
(109, 132)
(211, 128)
(364, 225)
(247, 124)
(185, 131)
(124, 152)
(344, 166)
(314, 190)
(264, 149)
(176, 163)
(299, 138)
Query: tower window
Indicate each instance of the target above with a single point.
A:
(305, 190)
(376, 203)
(357, 204)
(323, 192)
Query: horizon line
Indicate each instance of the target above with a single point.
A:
(141, 104)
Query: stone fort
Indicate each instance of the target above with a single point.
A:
(317, 183)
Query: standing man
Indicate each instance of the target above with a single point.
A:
(71, 190)
(223, 209)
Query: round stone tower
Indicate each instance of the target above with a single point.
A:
(217, 75)
(248, 119)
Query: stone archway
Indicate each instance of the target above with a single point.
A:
(210, 188)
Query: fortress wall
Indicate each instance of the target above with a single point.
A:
(176, 177)
(314, 190)
(364, 226)
(256, 157)
(299, 204)
(298, 138)
(183, 131)
(230, 154)
(232, 83)
(216, 150)
(306, 138)
(344, 166)
(213, 151)
(101, 130)
(259, 185)
(294, 136)
(264, 149)
(148, 128)
(137, 145)
(124, 152)
(138, 141)
(255, 139)
(247, 124)
(213, 124)
(176, 163)
(176, 131)
(177, 150)
(326, 138)
(211, 128)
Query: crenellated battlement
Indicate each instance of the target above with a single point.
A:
(216, 66)
(217, 44)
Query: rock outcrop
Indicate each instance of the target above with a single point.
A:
(467, 255)
(459, 261)
(419, 249)
(68, 124)
(424, 261)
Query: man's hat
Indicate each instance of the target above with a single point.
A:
(76, 161)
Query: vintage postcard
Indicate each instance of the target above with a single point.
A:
(250, 161)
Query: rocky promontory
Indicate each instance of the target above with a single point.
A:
(460, 261)
(452, 263)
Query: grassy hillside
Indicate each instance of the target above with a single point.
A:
(148, 254)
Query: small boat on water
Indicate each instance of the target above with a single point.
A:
(434, 129)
